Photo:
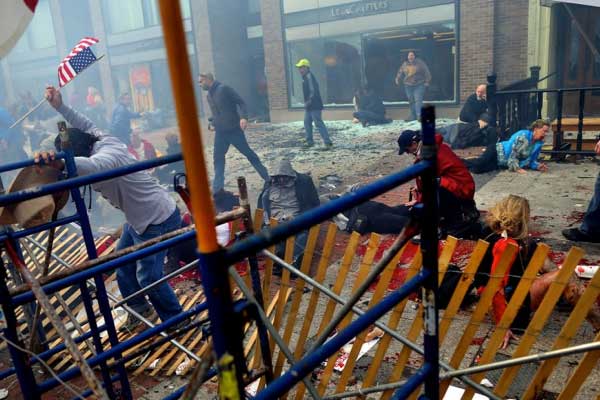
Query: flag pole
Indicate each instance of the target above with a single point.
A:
(38, 105)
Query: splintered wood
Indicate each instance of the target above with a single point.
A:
(340, 262)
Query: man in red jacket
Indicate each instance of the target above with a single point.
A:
(458, 214)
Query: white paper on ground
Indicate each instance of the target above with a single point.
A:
(455, 393)
(342, 360)
(252, 388)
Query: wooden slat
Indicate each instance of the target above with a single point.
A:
(380, 290)
(342, 274)
(268, 274)
(568, 331)
(586, 365)
(483, 305)
(363, 272)
(393, 322)
(285, 286)
(297, 297)
(540, 317)
(521, 293)
(449, 313)
(259, 214)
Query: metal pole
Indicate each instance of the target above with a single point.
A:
(127, 308)
(263, 335)
(329, 293)
(429, 249)
(405, 235)
(582, 348)
(278, 339)
(227, 332)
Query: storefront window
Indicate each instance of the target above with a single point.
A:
(354, 43)
(335, 62)
(128, 15)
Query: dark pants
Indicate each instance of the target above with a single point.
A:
(486, 162)
(458, 217)
(591, 220)
(381, 218)
(237, 139)
(315, 116)
(415, 96)
(135, 276)
(299, 245)
(371, 118)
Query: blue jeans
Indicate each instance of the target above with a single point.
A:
(591, 220)
(237, 139)
(133, 277)
(299, 246)
(315, 116)
(415, 96)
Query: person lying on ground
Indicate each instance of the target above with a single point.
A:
(371, 216)
(508, 223)
(286, 195)
(149, 210)
(516, 154)
(458, 214)
(461, 135)
(370, 108)
(589, 231)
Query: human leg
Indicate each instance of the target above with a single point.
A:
(317, 116)
(410, 94)
(126, 275)
(589, 231)
(150, 269)
(219, 151)
(238, 140)
(486, 162)
(308, 127)
(419, 95)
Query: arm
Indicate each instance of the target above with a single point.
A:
(531, 161)
(78, 120)
(311, 89)
(427, 73)
(103, 160)
(237, 99)
(400, 74)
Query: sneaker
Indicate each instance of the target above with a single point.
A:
(328, 146)
(576, 235)
(308, 145)
(178, 326)
(133, 322)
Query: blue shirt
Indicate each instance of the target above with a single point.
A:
(520, 151)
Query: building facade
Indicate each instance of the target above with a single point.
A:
(253, 46)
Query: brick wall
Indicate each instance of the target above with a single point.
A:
(274, 54)
(510, 40)
(476, 43)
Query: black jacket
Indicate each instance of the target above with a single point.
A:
(472, 109)
(224, 103)
(371, 102)
(306, 192)
(312, 94)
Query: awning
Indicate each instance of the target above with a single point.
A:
(591, 3)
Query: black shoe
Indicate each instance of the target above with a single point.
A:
(133, 322)
(576, 235)
(178, 326)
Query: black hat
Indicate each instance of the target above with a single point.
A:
(407, 138)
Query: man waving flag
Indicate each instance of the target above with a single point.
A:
(15, 15)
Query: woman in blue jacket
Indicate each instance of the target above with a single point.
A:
(516, 154)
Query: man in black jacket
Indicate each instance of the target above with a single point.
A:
(370, 108)
(313, 105)
(286, 195)
(475, 106)
(229, 120)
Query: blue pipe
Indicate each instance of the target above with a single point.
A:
(89, 392)
(121, 347)
(26, 163)
(413, 383)
(70, 183)
(103, 268)
(263, 240)
(304, 366)
(49, 353)
(177, 394)
(39, 228)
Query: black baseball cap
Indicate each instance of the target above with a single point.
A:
(406, 138)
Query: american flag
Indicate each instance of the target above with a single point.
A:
(79, 59)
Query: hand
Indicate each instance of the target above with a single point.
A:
(410, 203)
(598, 147)
(542, 167)
(54, 97)
(397, 81)
(48, 158)
(508, 336)
(243, 123)
(521, 171)
(211, 127)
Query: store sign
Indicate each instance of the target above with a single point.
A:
(360, 9)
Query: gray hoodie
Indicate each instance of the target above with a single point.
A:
(143, 201)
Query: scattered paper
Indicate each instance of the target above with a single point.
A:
(3, 393)
(487, 383)
(455, 393)
(183, 367)
(252, 388)
(154, 364)
(586, 271)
